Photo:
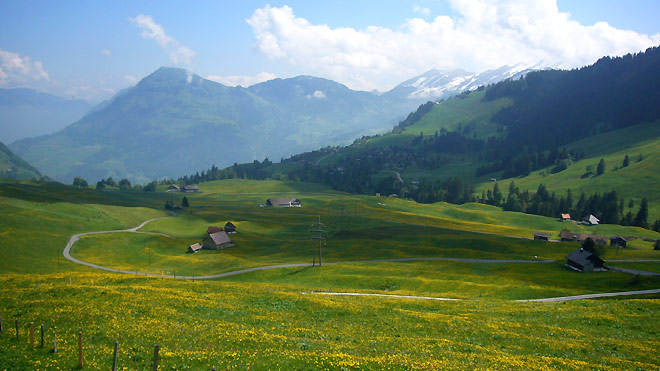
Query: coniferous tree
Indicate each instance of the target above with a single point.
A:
(641, 219)
(626, 161)
(184, 202)
(600, 169)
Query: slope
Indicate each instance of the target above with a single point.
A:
(13, 167)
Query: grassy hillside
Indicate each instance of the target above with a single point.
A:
(14, 167)
(638, 180)
(276, 318)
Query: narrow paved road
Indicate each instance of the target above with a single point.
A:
(74, 238)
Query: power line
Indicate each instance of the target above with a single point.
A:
(320, 237)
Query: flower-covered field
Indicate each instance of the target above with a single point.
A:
(233, 325)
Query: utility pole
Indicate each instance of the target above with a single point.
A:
(319, 236)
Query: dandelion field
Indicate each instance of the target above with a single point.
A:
(278, 319)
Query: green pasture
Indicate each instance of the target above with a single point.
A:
(262, 325)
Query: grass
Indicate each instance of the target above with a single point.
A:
(237, 325)
(263, 320)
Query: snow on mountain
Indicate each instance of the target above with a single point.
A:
(435, 84)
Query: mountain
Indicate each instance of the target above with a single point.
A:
(435, 84)
(27, 113)
(13, 167)
(174, 121)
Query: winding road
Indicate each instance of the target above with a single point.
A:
(76, 237)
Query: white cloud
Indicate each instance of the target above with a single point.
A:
(20, 71)
(484, 34)
(421, 10)
(243, 81)
(318, 94)
(106, 52)
(178, 53)
(131, 79)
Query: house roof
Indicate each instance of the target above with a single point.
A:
(541, 234)
(212, 229)
(282, 200)
(174, 186)
(195, 247)
(565, 216)
(565, 235)
(593, 219)
(584, 257)
(192, 187)
(220, 238)
(230, 224)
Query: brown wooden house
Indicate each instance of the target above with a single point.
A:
(217, 241)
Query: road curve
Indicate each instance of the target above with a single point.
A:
(593, 296)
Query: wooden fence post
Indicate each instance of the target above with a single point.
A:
(114, 356)
(0, 322)
(31, 334)
(55, 340)
(80, 360)
(42, 335)
(17, 338)
(156, 348)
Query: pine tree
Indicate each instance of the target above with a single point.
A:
(641, 219)
(626, 161)
(600, 169)
(184, 202)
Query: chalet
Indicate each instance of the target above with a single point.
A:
(538, 236)
(565, 217)
(593, 220)
(580, 237)
(230, 227)
(618, 241)
(582, 260)
(210, 230)
(194, 248)
(190, 188)
(217, 241)
(173, 188)
(283, 202)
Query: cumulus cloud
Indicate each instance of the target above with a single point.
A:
(484, 34)
(243, 81)
(178, 53)
(318, 94)
(17, 70)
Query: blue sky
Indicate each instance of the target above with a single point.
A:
(91, 49)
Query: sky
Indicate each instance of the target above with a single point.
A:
(92, 49)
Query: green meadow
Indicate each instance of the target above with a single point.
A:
(285, 318)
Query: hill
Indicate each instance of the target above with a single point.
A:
(29, 113)
(14, 167)
(174, 121)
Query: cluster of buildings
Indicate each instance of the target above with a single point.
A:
(186, 188)
(216, 238)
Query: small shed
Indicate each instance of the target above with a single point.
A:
(565, 217)
(217, 241)
(230, 227)
(283, 202)
(194, 248)
(593, 220)
(539, 236)
(582, 260)
(212, 229)
(173, 188)
(190, 188)
(568, 236)
(618, 241)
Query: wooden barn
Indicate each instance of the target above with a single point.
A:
(283, 202)
(173, 188)
(582, 260)
(539, 236)
(194, 248)
(190, 188)
(230, 227)
(212, 229)
(618, 241)
(217, 241)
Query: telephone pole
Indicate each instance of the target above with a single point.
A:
(319, 235)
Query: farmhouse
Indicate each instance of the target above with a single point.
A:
(538, 236)
(190, 188)
(618, 241)
(283, 202)
(579, 237)
(173, 188)
(565, 217)
(217, 241)
(582, 260)
(212, 229)
(194, 248)
(593, 220)
(230, 227)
